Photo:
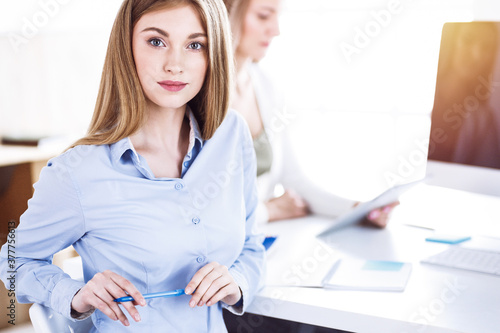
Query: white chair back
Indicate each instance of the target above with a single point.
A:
(45, 320)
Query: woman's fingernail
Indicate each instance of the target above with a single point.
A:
(387, 209)
(137, 317)
(143, 302)
(126, 323)
(374, 214)
(209, 303)
(192, 304)
(200, 303)
(187, 291)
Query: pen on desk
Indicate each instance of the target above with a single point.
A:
(176, 292)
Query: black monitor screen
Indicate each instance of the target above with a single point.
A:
(465, 122)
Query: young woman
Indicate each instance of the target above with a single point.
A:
(254, 24)
(160, 194)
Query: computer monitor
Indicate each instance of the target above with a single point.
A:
(464, 144)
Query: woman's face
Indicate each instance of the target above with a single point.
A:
(170, 53)
(260, 26)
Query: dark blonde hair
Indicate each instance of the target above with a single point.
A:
(236, 9)
(121, 104)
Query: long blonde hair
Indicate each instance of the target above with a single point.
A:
(121, 104)
(236, 9)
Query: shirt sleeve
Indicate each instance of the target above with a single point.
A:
(248, 269)
(52, 222)
(320, 200)
(261, 213)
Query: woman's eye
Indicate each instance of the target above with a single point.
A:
(195, 46)
(263, 16)
(156, 42)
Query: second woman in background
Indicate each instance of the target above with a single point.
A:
(254, 24)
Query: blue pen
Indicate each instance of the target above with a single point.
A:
(176, 292)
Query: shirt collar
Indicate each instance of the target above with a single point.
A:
(194, 130)
(121, 147)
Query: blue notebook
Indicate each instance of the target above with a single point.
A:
(268, 241)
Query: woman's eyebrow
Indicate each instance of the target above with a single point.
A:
(158, 30)
(268, 8)
(197, 34)
(166, 35)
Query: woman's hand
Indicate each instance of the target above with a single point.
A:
(213, 283)
(289, 205)
(100, 292)
(380, 216)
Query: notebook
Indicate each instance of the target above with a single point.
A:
(312, 263)
(372, 275)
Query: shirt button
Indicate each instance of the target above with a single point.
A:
(200, 259)
(195, 220)
(178, 186)
(186, 164)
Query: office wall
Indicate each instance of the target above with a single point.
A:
(52, 57)
(486, 10)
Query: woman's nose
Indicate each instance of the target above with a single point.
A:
(174, 62)
(275, 27)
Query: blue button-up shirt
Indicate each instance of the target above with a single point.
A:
(156, 232)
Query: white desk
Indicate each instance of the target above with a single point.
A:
(436, 299)
(12, 155)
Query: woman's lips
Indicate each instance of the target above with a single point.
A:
(172, 85)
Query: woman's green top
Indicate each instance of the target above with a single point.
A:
(263, 152)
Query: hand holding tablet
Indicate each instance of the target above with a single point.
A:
(363, 209)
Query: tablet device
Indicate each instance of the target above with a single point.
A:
(359, 212)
